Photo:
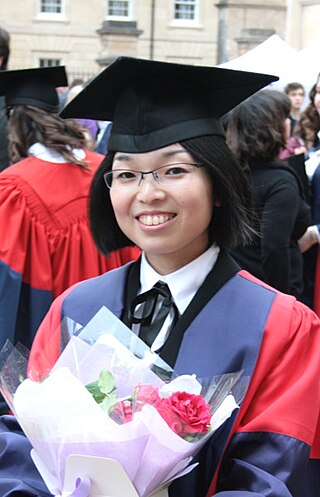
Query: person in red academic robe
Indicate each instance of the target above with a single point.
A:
(46, 244)
(171, 186)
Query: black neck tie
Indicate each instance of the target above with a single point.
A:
(151, 320)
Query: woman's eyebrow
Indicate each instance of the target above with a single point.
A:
(123, 157)
(171, 153)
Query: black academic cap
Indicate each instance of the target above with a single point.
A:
(153, 104)
(35, 87)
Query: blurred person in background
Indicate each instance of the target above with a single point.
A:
(46, 244)
(309, 123)
(307, 130)
(4, 58)
(257, 131)
(89, 127)
(105, 128)
(296, 144)
(4, 49)
(296, 93)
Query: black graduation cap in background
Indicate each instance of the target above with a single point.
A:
(153, 104)
(35, 87)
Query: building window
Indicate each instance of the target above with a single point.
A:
(185, 10)
(51, 6)
(119, 9)
(51, 10)
(50, 62)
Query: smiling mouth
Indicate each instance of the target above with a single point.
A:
(155, 220)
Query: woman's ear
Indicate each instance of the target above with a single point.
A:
(217, 202)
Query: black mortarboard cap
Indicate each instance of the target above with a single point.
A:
(153, 104)
(35, 87)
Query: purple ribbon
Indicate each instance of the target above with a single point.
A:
(82, 488)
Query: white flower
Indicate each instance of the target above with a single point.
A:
(184, 383)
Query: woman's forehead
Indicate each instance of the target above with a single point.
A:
(169, 152)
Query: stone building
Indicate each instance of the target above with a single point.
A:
(87, 36)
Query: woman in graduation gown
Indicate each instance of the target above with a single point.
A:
(170, 185)
(46, 244)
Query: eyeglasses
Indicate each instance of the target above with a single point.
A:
(169, 175)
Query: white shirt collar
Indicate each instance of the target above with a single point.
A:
(46, 154)
(184, 282)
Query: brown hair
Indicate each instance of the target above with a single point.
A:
(28, 125)
(293, 87)
(255, 129)
(309, 123)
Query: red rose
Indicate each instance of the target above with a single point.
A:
(170, 417)
(191, 410)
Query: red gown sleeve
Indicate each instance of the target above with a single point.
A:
(277, 431)
(45, 349)
(316, 297)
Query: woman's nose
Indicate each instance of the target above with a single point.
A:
(149, 189)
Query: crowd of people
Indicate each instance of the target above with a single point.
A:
(194, 190)
(305, 143)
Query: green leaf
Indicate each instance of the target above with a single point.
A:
(106, 382)
(102, 388)
(95, 391)
(108, 403)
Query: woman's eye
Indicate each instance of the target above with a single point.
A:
(125, 175)
(174, 170)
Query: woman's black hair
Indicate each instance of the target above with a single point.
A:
(104, 227)
(232, 221)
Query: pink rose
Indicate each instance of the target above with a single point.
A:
(191, 410)
(122, 412)
(147, 394)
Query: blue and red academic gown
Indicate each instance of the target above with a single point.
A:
(46, 244)
(271, 446)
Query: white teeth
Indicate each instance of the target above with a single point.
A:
(154, 220)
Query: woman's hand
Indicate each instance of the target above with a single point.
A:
(309, 238)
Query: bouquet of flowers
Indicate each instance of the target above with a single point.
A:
(111, 418)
